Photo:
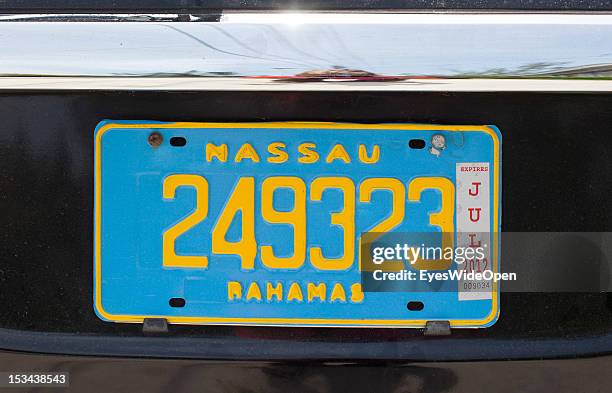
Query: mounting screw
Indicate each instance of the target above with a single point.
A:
(155, 139)
(438, 141)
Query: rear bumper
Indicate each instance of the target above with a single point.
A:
(103, 374)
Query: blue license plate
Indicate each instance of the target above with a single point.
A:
(261, 223)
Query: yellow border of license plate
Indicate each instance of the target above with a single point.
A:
(289, 321)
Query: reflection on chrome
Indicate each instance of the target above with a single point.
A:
(368, 50)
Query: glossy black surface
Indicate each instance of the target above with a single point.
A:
(557, 171)
(89, 374)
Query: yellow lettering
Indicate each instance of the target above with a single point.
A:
(295, 217)
(338, 293)
(218, 152)
(398, 208)
(254, 292)
(234, 290)
(246, 152)
(363, 154)
(344, 219)
(444, 218)
(309, 156)
(169, 256)
(316, 291)
(279, 156)
(338, 153)
(356, 293)
(295, 293)
(243, 200)
(272, 291)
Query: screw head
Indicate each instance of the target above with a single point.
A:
(438, 141)
(155, 139)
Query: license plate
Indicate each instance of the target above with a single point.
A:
(261, 223)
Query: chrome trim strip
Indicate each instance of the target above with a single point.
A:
(315, 51)
(423, 18)
(247, 84)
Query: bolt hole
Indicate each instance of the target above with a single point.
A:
(415, 306)
(177, 302)
(178, 141)
(416, 144)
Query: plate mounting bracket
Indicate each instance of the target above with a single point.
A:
(153, 326)
(437, 328)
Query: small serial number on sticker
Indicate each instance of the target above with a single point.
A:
(476, 285)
